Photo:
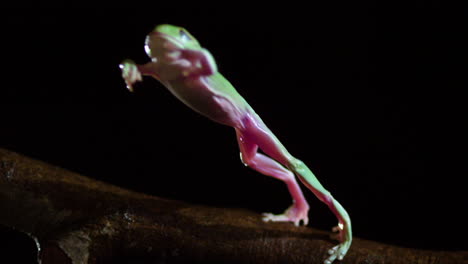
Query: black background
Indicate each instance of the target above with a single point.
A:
(370, 98)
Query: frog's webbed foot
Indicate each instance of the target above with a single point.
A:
(296, 214)
(339, 251)
(130, 73)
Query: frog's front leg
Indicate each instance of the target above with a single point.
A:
(132, 72)
(183, 63)
(298, 211)
(201, 62)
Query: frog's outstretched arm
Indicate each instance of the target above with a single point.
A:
(132, 73)
(186, 62)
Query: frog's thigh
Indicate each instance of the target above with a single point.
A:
(256, 131)
(248, 150)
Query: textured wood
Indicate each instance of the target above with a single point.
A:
(80, 220)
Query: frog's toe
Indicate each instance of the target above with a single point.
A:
(337, 252)
(297, 215)
(130, 73)
(269, 217)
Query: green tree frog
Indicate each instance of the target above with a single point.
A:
(190, 73)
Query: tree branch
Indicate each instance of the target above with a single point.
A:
(79, 220)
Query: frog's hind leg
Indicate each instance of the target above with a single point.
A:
(255, 131)
(267, 166)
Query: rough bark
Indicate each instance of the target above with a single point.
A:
(79, 220)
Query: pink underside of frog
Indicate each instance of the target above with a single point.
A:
(252, 135)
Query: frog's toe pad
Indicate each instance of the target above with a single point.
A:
(269, 217)
(337, 252)
(130, 73)
(296, 219)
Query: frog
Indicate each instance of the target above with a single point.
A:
(190, 73)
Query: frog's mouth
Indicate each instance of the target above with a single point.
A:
(165, 37)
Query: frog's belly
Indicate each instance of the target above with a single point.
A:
(200, 98)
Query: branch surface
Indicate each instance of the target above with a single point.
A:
(76, 219)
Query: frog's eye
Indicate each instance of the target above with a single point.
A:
(184, 36)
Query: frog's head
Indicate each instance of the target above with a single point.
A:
(168, 38)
